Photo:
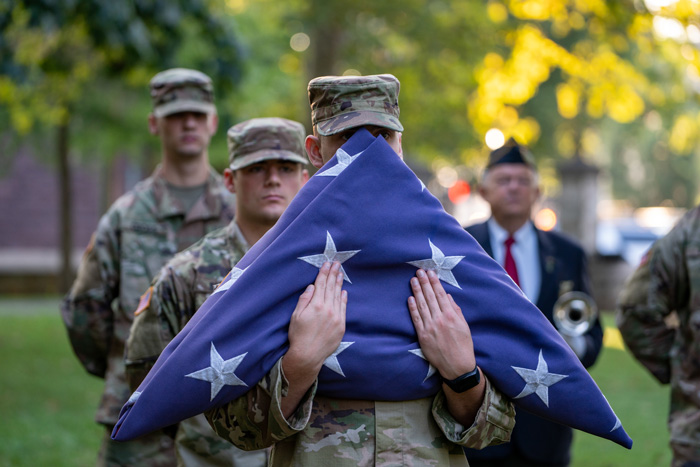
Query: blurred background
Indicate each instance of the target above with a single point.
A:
(605, 94)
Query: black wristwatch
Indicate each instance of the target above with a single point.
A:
(465, 382)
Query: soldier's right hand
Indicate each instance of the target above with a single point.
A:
(315, 330)
(318, 322)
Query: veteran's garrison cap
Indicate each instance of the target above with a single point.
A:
(511, 153)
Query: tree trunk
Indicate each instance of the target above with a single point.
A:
(66, 273)
(326, 37)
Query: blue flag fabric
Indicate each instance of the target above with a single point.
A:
(369, 211)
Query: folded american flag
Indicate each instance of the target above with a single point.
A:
(368, 210)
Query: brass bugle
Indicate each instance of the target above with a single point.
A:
(574, 313)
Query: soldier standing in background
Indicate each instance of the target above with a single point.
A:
(658, 313)
(267, 159)
(182, 201)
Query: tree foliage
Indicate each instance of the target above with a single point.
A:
(589, 78)
(61, 58)
(569, 78)
(93, 56)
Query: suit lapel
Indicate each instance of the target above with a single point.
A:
(480, 232)
(549, 288)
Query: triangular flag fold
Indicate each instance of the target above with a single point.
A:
(369, 211)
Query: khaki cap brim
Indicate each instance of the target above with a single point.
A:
(178, 106)
(356, 119)
(266, 155)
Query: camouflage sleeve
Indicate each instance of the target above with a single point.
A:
(87, 308)
(163, 311)
(143, 346)
(493, 424)
(255, 420)
(647, 301)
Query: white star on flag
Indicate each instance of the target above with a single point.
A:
(332, 362)
(134, 397)
(431, 368)
(234, 275)
(330, 254)
(538, 381)
(441, 264)
(221, 372)
(618, 423)
(344, 160)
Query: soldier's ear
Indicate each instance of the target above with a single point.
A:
(313, 150)
(229, 180)
(213, 123)
(152, 124)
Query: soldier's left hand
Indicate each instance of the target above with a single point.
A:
(443, 333)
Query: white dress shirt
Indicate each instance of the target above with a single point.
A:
(526, 253)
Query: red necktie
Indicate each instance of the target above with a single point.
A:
(509, 265)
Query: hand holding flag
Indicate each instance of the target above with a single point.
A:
(315, 332)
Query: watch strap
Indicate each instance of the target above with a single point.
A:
(464, 382)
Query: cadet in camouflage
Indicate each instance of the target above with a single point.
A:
(658, 314)
(179, 203)
(283, 410)
(267, 158)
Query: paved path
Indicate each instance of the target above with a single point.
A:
(30, 306)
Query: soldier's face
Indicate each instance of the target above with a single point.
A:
(265, 189)
(511, 190)
(185, 134)
(321, 149)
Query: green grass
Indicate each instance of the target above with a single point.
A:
(640, 403)
(48, 402)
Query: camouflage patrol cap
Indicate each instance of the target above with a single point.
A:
(261, 139)
(342, 102)
(181, 90)
(511, 153)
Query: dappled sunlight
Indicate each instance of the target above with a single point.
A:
(612, 339)
(568, 99)
(600, 79)
(684, 134)
(237, 6)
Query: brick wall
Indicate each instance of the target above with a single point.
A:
(29, 218)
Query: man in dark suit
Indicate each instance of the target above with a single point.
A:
(545, 265)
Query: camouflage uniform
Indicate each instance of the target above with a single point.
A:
(183, 285)
(141, 231)
(325, 431)
(192, 275)
(658, 315)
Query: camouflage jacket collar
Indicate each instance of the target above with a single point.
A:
(233, 232)
(208, 206)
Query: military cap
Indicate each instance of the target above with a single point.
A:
(181, 90)
(261, 139)
(339, 103)
(511, 153)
